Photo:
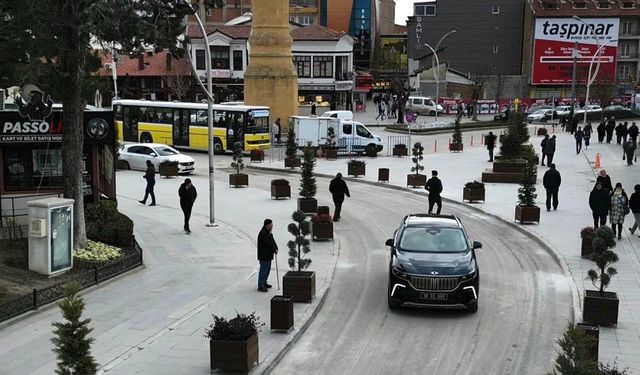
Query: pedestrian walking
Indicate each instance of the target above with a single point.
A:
(338, 189)
(275, 131)
(588, 129)
(620, 130)
(551, 182)
(625, 132)
(491, 144)
(380, 111)
(313, 109)
(394, 108)
(633, 133)
(563, 123)
(579, 136)
(629, 150)
(434, 187)
(634, 206)
(266, 248)
(611, 125)
(605, 180)
(601, 129)
(618, 210)
(543, 145)
(599, 203)
(574, 123)
(150, 176)
(550, 149)
(187, 193)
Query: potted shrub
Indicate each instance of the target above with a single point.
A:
(321, 227)
(331, 150)
(168, 168)
(257, 155)
(233, 343)
(356, 168)
(291, 149)
(281, 313)
(473, 191)
(600, 307)
(542, 131)
(587, 234)
(576, 355)
(456, 139)
(308, 204)
(400, 150)
(298, 283)
(280, 188)
(526, 210)
(238, 179)
(416, 179)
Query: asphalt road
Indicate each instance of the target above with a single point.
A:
(525, 303)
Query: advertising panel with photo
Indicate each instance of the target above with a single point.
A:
(555, 40)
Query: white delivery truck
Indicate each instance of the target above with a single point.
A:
(350, 136)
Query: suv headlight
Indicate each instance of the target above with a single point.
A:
(469, 276)
(399, 271)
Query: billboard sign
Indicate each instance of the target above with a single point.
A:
(555, 40)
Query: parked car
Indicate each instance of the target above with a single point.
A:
(561, 111)
(503, 115)
(135, 156)
(541, 115)
(536, 107)
(423, 105)
(590, 108)
(433, 264)
(617, 107)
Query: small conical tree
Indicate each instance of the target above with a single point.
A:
(417, 158)
(331, 137)
(300, 245)
(457, 132)
(308, 186)
(575, 358)
(527, 191)
(237, 162)
(71, 337)
(517, 134)
(604, 257)
(291, 147)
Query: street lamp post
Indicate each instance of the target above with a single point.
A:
(435, 57)
(436, 75)
(591, 78)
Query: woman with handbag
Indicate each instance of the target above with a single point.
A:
(619, 209)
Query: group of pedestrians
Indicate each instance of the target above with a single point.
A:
(386, 106)
(606, 200)
(548, 149)
(626, 136)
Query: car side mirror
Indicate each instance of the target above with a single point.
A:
(153, 154)
(477, 245)
(389, 242)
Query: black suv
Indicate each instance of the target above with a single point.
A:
(433, 264)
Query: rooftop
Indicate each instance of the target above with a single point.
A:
(311, 32)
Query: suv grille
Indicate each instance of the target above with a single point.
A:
(434, 283)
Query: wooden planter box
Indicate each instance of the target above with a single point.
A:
(586, 248)
(332, 154)
(527, 214)
(308, 206)
(513, 167)
(121, 164)
(355, 170)
(456, 147)
(257, 155)
(505, 178)
(238, 179)
(323, 210)
(416, 180)
(383, 174)
(542, 131)
(168, 170)
(593, 331)
(322, 231)
(292, 163)
(280, 191)
(600, 309)
(301, 286)
(400, 151)
(281, 313)
(234, 355)
(473, 194)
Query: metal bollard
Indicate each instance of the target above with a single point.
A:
(435, 145)
(472, 140)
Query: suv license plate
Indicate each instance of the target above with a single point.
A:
(433, 296)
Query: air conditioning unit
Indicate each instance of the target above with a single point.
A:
(37, 228)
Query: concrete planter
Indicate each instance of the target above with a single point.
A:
(282, 313)
(238, 179)
(322, 230)
(257, 155)
(473, 194)
(332, 154)
(542, 131)
(509, 167)
(383, 174)
(292, 163)
(505, 178)
(587, 247)
(601, 309)
(527, 214)
(323, 210)
(280, 190)
(234, 355)
(416, 180)
(308, 206)
(399, 151)
(356, 169)
(301, 286)
(456, 147)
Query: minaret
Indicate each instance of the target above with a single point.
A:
(270, 78)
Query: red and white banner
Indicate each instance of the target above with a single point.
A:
(555, 40)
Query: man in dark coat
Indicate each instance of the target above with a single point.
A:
(551, 182)
(313, 109)
(634, 206)
(543, 145)
(599, 203)
(574, 123)
(579, 136)
(601, 130)
(150, 176)
(338, 189)
(629, 150)
(550, 149)
(633, 133)
(434, 187)
(266, 248)
(611, 125)
(605, 181)
(620, 132)
(187, 193)
(491, 144)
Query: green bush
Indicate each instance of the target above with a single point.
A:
(105, 224)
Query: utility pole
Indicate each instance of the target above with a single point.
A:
(575, 54)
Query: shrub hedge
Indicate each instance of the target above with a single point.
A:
(105, 224)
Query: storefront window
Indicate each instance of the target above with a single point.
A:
(33, 169)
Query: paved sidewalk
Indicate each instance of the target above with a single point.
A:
(152, 321)
(560, 229)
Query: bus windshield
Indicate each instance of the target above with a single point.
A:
(257, 125)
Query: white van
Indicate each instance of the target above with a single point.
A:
(342, 115)
(423, 105)
(350, 136)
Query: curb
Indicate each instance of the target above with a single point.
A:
(577, 311)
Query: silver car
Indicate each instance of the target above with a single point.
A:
(135, 156)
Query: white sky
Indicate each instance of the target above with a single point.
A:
(404, 8)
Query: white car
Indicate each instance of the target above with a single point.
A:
(135, 156)
(562, 111)
(540, 115)
(590, 108)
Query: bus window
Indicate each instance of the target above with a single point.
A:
(219, 119)
(144, 115)
(199, 117)
(119, 113)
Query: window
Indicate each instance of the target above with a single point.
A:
(342, 68)
(292, 19)
(346, 129)
(417, 101)
(425, 10)
(361, 131)
(307, 20)
(495, 49)
(580, 4)
(420, 239)
(38, 168)
(627, 4)
(303, 66)
(219, 57)
(238, 60)
(199, 117)
(623, 71)
(625, 49)
(323, 66)
(200, 62)
(604, 5)
(626, 28)
(495, 9)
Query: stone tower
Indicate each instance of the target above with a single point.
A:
(271, 78)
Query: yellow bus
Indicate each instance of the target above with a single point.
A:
(184, 125)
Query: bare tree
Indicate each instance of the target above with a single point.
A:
(179, 85)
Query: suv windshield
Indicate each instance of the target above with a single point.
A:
(433, 239)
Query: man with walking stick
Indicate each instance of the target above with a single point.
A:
(267, 247)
